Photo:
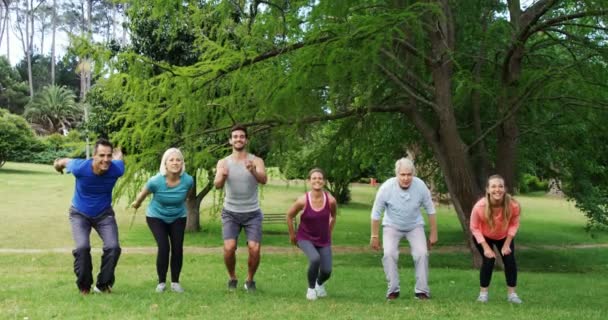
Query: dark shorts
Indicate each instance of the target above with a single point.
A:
(233, 222)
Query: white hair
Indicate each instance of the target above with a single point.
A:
(166, 155)
(405, 163)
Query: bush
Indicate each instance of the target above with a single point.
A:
(531, 183)
(17, 140)
(58, 146)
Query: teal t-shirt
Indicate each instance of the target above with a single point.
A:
(168, 203)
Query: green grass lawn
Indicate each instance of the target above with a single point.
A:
(561, 283)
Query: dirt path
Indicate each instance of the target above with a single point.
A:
(292, 250)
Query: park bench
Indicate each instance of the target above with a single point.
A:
(277, 218)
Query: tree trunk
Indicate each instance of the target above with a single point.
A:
(54, 23)
(29, 34)
(193, 203)
(445, 141)
(193, 223)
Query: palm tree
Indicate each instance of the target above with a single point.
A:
(54, 109)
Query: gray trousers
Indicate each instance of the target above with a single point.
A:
(106, 227)
(391, 237)
(319, 262)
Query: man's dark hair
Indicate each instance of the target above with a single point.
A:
(103, 142)
(238, 127)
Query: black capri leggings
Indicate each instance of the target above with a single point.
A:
(169, 239)
(485, 273)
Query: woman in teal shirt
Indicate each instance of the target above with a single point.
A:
(166, 215)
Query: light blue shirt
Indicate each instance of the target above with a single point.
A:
(168, 203)
(401, 207)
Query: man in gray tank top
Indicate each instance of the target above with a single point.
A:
(241, 173)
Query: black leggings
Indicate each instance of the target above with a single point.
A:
(485, 273)
(169, 238)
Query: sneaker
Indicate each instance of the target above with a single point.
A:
(161, 287)
(483, 298)
(250, 286)
(392, 295)
(320, 290)
(176, 287)
(311, 294)
(85, 292)
(232, 283)
(422, 296)
(107, 289)
(513, 298)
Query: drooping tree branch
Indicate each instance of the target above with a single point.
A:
(407, 88)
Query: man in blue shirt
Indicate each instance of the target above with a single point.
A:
(92, 208)
(401, 198)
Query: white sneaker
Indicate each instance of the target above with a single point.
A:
(320, 290)
(175, 287)
(161, 287)
(311, 294)
(513, 298)
(483, 298)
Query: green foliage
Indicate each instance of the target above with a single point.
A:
(54, 109)
(13, 91)
(531, 183)
(41, 70)
(59, 146)
(287, 64)
(17, 140)
(102, 107)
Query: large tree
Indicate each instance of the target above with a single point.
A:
(468, 75)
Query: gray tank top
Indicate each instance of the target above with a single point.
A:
(241, 187)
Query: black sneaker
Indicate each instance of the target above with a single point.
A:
(232, 284)
(250, 286)
(422, 296)
(392, 295)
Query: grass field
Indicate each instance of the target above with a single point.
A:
(556, 283)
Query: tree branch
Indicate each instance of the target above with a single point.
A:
(560, 19)
(407, 89)
(275, 122)
(411, 75)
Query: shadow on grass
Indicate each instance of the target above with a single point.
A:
(28, 172)
(534, 260)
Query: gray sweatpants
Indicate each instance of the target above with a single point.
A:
(391, 237)
(319, 262)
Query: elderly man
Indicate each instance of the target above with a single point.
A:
(401, 198)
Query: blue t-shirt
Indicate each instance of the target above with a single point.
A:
(93, 193)
(168, 203)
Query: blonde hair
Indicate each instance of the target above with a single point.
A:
(166, 155)
(506, 205)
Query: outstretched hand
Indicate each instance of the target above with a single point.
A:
(117, 154)
(58, 165)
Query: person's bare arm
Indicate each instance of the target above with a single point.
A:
(257, 169)
(375, 241)
(140, 198)
(221, 174)
(433, 238)
(296, 207)
(333, 207)
(61, 163)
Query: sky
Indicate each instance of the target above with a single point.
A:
(16, 49)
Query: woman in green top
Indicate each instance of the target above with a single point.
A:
(166, 215)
